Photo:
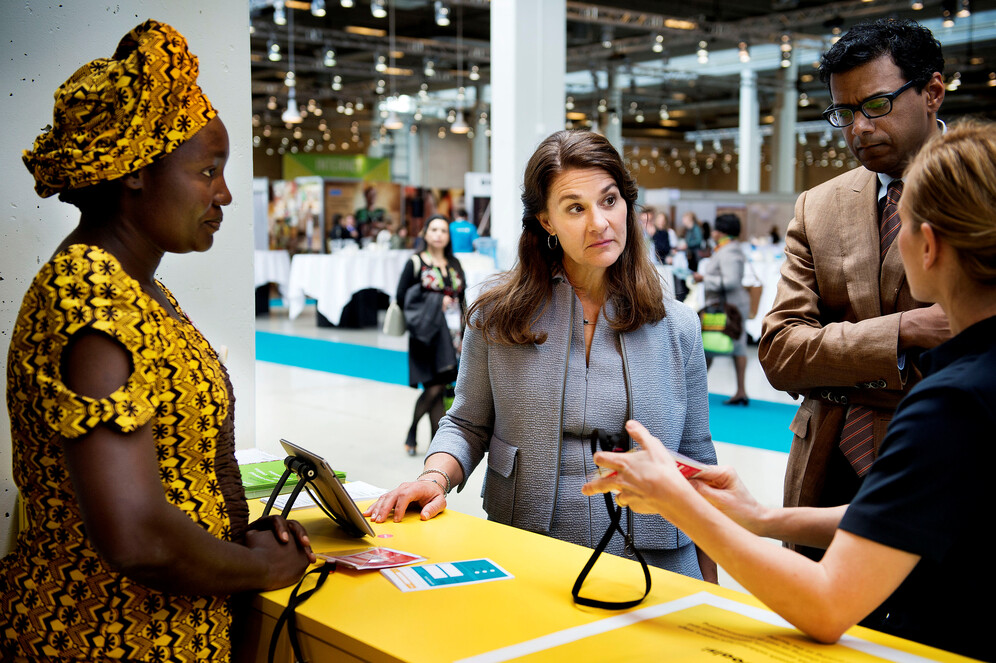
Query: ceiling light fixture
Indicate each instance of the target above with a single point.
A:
(393, 122)
(744, 52)
(364, 31)
(658, 46)
(377, 9)
(947, 11)
(916, 5)
(460, 125)
(274, 51)
(430, 68)
(292, 115)
(329, 59)
(679, 24)
(607, 37)
(279, 13)
(966, 9)
(318, 8)
(703, 52)
(381, 63)
(475, 73)
(442, 13)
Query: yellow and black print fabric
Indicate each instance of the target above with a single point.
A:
(57, 598)
(116, 115)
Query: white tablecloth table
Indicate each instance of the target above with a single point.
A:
(333, 278)
(272, 267)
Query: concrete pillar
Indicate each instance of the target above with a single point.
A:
(749, 176)
(375, 144)
(528, 51)
(397, 148)
(783, 146)
(480, 149)
(413, 152)
(613, 122)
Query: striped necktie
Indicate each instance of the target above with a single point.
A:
(888, 227)
(857, 439)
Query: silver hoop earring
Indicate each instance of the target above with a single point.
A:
(551, 242)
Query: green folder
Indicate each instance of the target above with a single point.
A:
(259, 479)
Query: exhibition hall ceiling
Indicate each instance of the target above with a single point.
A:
(676, 64)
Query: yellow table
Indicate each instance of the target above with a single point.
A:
(361, 616)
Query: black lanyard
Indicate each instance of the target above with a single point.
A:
(289, 614)
(619, 443)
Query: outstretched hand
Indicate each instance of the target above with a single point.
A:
(429, 495)
(643, 480)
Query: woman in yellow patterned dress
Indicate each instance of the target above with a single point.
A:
(137, 530)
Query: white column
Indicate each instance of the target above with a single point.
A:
(480, 149)
(397, 150)
(613, 126)
(528, 42)
(783, 146)
(414, 155)
(749, 176)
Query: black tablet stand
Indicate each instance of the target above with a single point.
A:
(304, 469)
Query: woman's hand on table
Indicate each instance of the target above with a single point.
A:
(285, 530)
(428, 494)
(284, 549)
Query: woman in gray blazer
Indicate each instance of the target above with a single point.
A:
(722, 278)
(579, 335)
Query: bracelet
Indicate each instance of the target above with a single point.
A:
(446, 476)
(435, 482)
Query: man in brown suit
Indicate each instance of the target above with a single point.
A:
(844, 331)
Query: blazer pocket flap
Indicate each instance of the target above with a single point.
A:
(800, 422)
(501, 456)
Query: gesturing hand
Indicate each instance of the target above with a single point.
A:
(643, 480)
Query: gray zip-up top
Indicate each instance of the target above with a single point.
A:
(509, 405)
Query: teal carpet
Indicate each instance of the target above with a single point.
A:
(762, 424)
(357, 361)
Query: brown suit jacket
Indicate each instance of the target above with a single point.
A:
(832, 335)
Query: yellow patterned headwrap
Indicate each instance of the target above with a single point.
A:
(116, 115)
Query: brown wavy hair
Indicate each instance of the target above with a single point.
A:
(951, 185)
(507, 311)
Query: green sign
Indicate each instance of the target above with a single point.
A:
(351, 166)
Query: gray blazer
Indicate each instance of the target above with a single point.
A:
(509, 405)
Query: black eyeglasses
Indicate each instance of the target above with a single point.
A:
(842, 115)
